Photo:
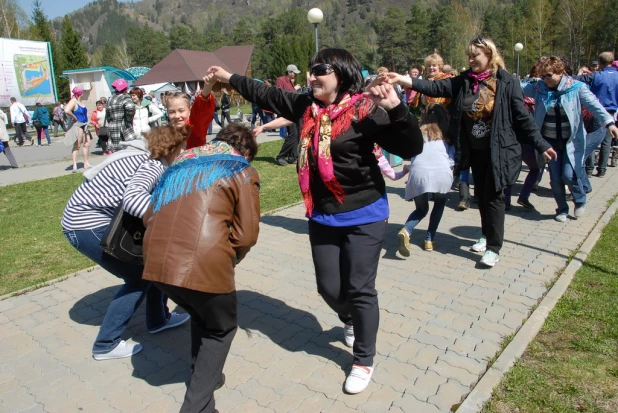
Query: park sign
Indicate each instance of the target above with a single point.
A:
(26, 72)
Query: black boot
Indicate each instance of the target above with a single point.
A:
(464, 196)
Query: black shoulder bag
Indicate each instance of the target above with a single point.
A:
(124, 237)
(104, 130)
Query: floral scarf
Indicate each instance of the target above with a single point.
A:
(425, 101)
(197, 169)
(320, 127)
(566, 88)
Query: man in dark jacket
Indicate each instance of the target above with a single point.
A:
(289, 149)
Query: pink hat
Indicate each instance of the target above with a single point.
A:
(120, 85)
(77, 91)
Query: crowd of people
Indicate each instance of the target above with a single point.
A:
(194, 204)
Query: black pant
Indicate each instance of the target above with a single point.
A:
(346, 265)
(289, 149)
(491, 202)
(20, 132)
(225, 114)
(213, 326)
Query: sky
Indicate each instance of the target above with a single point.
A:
(54, 8)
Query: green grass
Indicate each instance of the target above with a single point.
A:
(33, 249)
(572, 365)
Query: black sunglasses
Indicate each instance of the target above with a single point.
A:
(546, 76)
(480, 41)
(322, 69)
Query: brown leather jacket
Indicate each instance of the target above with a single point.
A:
(196, 241)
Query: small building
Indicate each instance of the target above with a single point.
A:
(186, 68)
(96, 82)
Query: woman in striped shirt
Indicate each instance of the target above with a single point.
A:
(126, 177)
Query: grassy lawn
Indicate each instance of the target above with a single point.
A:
(572, 365)
(34, 249)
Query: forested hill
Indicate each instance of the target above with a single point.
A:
(394, 33)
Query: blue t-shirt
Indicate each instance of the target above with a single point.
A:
(377, 211)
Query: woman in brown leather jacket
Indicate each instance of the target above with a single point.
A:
(203, 220)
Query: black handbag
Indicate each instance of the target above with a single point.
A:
(103, 133)
(124, 237)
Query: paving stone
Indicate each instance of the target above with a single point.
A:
(252, 389)
(463, 376)
(291, 398)
(426, 386)
(409, 403)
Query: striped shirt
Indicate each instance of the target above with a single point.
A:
(550, 124)
(128, 180)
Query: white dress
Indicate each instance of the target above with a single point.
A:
(431, 170)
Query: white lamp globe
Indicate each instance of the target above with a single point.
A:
(315, 16)
(518, 47)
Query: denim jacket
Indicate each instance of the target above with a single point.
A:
(572, 95)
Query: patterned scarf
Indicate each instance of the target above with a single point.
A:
(196, 170)
(478, 78)
(320, 127)
(566, 89)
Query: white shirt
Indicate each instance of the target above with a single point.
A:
(4, 134)
(17, 113)
(141, 119)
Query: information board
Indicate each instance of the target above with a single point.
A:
(26, 72)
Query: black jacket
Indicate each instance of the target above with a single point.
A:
(511, 124)
(355, 165)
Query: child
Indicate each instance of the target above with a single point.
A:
(430, 173)
(386, 168)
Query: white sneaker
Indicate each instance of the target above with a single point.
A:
(175, 320)
(561, 217)
(348, 334)
(480, 246)
(490, 258)
(358, 379)
(580, 211)
(122, 350)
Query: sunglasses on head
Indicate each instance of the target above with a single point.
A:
(480, 41)
(546, 76)
(322, 69)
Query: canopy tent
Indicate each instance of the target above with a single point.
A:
(160, 88)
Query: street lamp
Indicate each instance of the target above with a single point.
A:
(518, 48)
(315, 17)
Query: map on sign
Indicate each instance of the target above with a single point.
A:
(25, 72)
(32, 74)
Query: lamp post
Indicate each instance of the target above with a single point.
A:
(315, 17)
(518, 48)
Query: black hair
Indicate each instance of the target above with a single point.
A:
(347, 69)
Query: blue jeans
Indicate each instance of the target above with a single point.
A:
(560, 173)
(255, 112)
(422, 208)
(128, 298)
(38, 134)
(606, 149)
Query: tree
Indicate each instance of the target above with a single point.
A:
(13, 19)
(41, 28)
(242, 33)
(122, 56)
(418, 33)
(108, 55)
(146, 46)
(182, 37)
(73, 53)
(214, 39)
(393, 44)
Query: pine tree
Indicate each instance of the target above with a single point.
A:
(108, 55)
(41, 28)
(73, 53)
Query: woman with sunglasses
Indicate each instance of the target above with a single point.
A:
(488, 117)
(558, 113)
(342, 187)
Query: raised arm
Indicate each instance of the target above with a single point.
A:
(290, 105)
(275, 124)
(201, 114)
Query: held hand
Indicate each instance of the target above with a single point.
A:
(383, 95)
(257, 131)
(550, 154)
(614, 131)
(209, 82)
(220, 74)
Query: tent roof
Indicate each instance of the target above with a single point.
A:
(190, 65)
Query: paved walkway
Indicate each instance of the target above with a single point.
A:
(441, 319)
(43, 162)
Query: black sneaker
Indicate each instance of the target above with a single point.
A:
(525, 203)
(221, 383)
(282, 161)
(600, 174)
(507, 206)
